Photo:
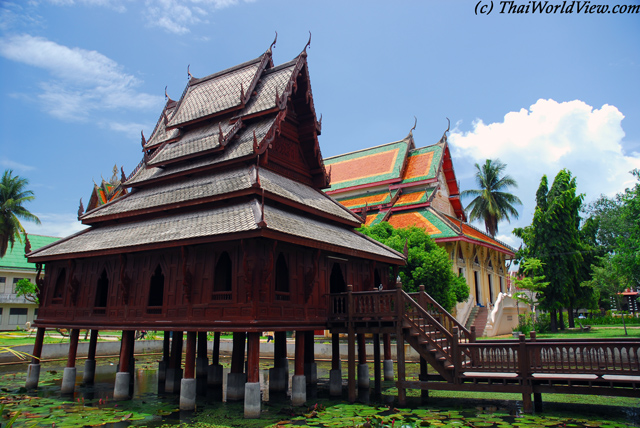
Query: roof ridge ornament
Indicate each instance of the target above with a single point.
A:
(444, 135)
(189, 75)
(308, 45)
(273, 44)
(144, 140)
(166, 96)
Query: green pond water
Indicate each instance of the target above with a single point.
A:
(150, 407)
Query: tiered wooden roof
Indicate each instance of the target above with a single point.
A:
(236, 157)
(406, 186)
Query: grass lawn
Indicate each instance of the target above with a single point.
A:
(596, 332)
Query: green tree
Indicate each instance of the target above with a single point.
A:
(28, 290)
(608, 278)
(532, 281)
(628, 247)
(427, 264)
(492, 202)
(13, 195)
(554, 238)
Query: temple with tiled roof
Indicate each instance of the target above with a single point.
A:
(408, 186)
(225, 228)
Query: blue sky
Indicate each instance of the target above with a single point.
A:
(82, 78)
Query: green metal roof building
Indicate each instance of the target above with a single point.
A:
(15, 311)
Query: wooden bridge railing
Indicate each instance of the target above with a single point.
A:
(528, 357)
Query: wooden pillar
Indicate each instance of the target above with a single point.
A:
(335, 352)
(377, 374)
(190, 358)
(123, 377)
(202, 362)
(424, 376)
(33, 371)
(215, 357)
(299, 359)
(402, 392)
(362, 349)
(253, 357)
(37, 346)
(237, 357)
(176, 350)
(280, 349)
(537, 396)
(202, 344)
(351, 348)
(310, 367)
(386, 338)
(73, 347)
(527, 404)
(90, 363)
(188, 383)
(166, 346)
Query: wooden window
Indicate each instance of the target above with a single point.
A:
(282, 279)
(223, 278)
(58, 291)
(156, 291)
(102, 292)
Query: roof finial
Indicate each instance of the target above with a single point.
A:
(414, 125)
(304, 51)
(143, 141)
(189, 72)
(273, 44)
(80, 209)
(166, 96)
(123, 177)
(444, 135)
(448, 125)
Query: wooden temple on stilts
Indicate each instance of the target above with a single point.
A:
(224, 227)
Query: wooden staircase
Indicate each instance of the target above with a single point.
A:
(433, 332)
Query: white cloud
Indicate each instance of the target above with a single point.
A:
(177, 16)
(84, 80)
(548, 137)
(116, 5)
(54, 224)
(16, 166)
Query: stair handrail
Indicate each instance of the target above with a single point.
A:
(422, 294)
(430, 319)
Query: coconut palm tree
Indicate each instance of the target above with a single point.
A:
(492, 203)
(13, 194)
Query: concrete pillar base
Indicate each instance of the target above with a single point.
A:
(162, 371)
(387, 368)
(311, 373)
(298, 390)
(335, 383)
(89, 371)
(172, 381)
(188, 394)
(235, 386)
(252, 400)
(363, 376)
(121, 388)
(33, 376)
(202, 364)
(68, 380)
(214, 375)
(278, 379)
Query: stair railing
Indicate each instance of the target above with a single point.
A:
(442, 316)
(416, 316)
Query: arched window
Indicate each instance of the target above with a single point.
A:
(102, 290)
(223, 279)
(282, 279)
(156, 288)
(58, 291)
(336, 280)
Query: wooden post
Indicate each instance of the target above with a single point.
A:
(424, 376)
(376, 364)
(190, 357)
(253, 357)
(335, 352)
(73, 347)
(362, 349)
(402, 391)
(386, 338)
(202, 344)
(455, 355)
(215, 357)
(166, 346)
(523, 359)
(537, 396)
(37, 346)
(124, 352)
(279, 349)
(237, 357)
(299, 358)
(351, 346)
(93, 341)
(298, 381)
(176, 350)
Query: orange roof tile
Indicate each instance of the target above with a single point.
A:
(413, 219)
(419, 166)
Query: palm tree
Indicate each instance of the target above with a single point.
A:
(13, 194)
(492, 204)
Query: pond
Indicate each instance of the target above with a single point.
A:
(149, 407)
